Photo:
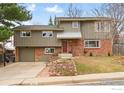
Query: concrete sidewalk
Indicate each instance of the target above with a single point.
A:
(64, 79)
(73, 79)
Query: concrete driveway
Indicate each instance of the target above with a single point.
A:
(20, 71)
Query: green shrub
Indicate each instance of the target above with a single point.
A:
(109, 54)
(91, 54)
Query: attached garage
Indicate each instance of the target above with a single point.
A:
(27, 54)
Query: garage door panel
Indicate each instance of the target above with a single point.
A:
(27, 54)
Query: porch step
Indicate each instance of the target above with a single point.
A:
(65, 55)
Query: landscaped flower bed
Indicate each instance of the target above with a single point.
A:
(84, 65)
(62, 67)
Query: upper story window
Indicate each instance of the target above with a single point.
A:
(75, 24)
(102, 27)
(25, 33)
(92, 43)
(47, 34)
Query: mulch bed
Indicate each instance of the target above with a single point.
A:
(59, 67)
(62, 68)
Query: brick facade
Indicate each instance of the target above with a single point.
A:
(58, 50)
(105, 49)
(39, 52)
(75, 47)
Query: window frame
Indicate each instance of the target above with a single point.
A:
(47, 32)
(92, 47)
(108, 26)
(101, 26)
(73, 24)
(48, 48)
(21, 34)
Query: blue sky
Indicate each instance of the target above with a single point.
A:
(42, 11)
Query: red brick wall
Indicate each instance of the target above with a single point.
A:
(78, 49)
(39, 52)
(58, 50)
(75, 46)
(106, 47)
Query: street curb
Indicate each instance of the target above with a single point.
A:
(46, 81)
(85, 79)
(96, 80)
(67, 80)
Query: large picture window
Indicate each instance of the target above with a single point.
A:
(25, 33)
(47, 34)
(92, 43)
(49, 50)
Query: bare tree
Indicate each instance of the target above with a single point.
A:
(73, 11)
(114, 11)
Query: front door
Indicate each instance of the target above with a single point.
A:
(64, 45)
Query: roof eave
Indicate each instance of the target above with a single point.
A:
(20, 29)
(83, 18)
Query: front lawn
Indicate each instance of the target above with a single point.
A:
(88, 65)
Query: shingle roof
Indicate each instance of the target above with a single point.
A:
(38, 27)
(82, 18)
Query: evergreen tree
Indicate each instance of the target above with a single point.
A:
(50, 21)
(55, 20)
(9, 15)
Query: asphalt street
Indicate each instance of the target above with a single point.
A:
(104, 82)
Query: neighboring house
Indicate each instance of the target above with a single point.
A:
(120, 38)
(78, 36)
(118, 45)
(7, 48)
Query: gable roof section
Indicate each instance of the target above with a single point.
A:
(38, 27)
(83, 18)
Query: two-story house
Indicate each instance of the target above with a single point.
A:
(78, 36)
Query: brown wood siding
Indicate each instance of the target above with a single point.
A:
(36, 40)
(88, 31)
(68, 26)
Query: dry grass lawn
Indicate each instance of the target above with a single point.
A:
(88, 65)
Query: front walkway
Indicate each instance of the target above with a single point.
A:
(20, 70)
